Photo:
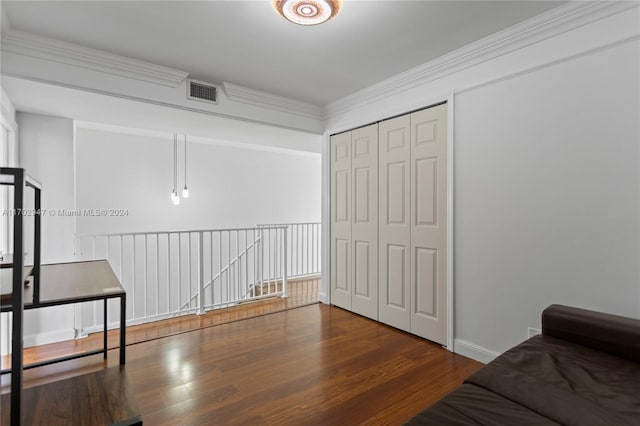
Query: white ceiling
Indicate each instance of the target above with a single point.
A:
(247, 43)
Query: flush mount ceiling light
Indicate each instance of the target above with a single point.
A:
(307, 12)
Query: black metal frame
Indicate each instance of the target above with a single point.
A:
(123, 302)
(22, 180)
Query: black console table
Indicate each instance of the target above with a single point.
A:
(38, 286)
(74, 282)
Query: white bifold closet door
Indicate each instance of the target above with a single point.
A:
(364, 227)
(341, 270)
(354, 220)
(413, 223)
(395, 230)
(389, 222)
(429, 223)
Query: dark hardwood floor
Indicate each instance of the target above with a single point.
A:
(309, 365)
(302, 292)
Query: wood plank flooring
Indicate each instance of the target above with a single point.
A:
(310, 365)
(302, 292)
(101, 397)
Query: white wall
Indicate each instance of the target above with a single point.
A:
(547, 196)
(46, 152)
(10, 130)
(8, 121)
(229, 186)
(9, 158)
(546, 178)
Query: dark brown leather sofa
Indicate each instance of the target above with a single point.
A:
(583, 370)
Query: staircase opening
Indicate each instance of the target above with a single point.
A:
(177, 273)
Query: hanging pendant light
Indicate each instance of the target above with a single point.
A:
(174, 194)
(185, 191)
(307, 12)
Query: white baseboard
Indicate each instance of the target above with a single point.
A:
(48, 337)
(474, 351)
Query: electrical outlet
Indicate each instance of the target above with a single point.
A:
(533, 331)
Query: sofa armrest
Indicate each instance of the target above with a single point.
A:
(613, 334)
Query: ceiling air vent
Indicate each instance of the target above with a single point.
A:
(201, 91)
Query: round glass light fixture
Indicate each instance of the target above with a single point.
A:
(307, 12)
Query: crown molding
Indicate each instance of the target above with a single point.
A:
(264, 122)
(27, 44)
(258, 98)
(561, 19)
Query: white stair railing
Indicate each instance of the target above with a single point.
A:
(241, 256)
(172, 273)
(304, 248)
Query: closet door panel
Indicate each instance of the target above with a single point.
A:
(394, 222)
(364, 226)
(429, 223)
(341, 262)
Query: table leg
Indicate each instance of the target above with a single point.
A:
(105, 329)
(123, 324)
